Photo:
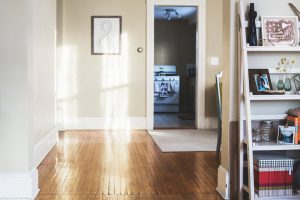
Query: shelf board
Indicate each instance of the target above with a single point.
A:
(274, 97)
(272, 49)
(257, 23)
(295, 70)
(273, 146)
(294, 196)
(267, 117)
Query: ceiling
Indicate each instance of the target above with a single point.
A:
(186, 13)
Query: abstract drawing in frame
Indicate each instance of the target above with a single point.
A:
(280, 30)
(106, 35)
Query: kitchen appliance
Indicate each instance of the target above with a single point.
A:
(166, 89)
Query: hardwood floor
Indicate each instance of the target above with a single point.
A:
(124, 165)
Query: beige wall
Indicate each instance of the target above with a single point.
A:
(14, 101)
(226, 106)
(27, 80)
(43, 68)
(92, 86)
(214, 47)
(101, 85)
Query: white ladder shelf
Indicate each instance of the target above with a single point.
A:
(245, 117)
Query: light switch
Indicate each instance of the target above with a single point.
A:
(214, 61)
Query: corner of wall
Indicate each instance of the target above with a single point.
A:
(44, 146)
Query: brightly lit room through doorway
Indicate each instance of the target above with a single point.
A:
(175, 67)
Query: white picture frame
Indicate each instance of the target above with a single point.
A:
(286, 134)
(106, 35)
(280, 30)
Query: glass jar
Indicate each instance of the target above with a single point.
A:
(256, 135)
(280, 84)
(266, 129)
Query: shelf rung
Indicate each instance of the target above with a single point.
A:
(272, 49)
(273, 97)
(294, 196)
(267, 117)
(258, 24)
(273, 146)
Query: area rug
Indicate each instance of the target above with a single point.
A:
(185, 140)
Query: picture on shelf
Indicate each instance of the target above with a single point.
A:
(286, 134)
(260, 81)
(280, 30)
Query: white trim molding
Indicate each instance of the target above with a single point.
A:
(107, 123)
(42, 148)
(211, 123)
(19, 185)
(200, 58)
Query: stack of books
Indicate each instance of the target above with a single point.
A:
(273, 175)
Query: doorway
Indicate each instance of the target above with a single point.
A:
(174, 67)
(193, 113)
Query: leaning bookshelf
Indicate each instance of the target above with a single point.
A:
(253, 108)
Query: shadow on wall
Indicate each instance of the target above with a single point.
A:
(74, 88)
(211, 106)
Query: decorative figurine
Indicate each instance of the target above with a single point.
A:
(252, 37)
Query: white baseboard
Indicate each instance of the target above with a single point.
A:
(19, 185)
(107, 123)
(25, 185)
(44, 146)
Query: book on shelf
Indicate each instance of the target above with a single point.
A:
(294, 121)
(286, 134)
(273, 175)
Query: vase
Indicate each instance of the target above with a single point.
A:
(252, 37)
(280, 84)
(266, 130)
(287, 84)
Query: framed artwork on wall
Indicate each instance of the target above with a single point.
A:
(280, 30)
(106, 35)
(260, 81)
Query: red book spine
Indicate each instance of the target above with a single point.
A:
(273, 178)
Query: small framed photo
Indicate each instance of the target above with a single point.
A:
(286, 134)
(260, 81)
(106, 35)
(280, 30)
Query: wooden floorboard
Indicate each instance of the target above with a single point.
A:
(124, 165)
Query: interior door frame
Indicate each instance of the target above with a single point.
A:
(201, 121)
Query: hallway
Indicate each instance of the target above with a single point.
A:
(121, 165)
